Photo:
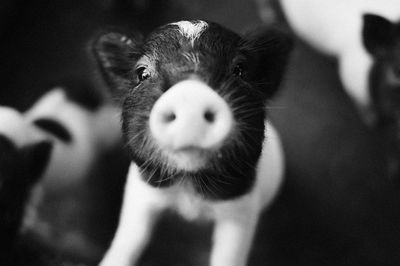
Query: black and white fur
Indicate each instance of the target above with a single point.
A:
(227, 177)
(25, 152)
(77, 135)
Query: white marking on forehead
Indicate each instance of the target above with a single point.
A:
(191, 29)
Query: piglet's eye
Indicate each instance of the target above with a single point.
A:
(142, 73)
(238, 71)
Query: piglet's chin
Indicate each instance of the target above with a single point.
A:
(189, 159)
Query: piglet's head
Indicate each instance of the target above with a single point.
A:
(194, 97)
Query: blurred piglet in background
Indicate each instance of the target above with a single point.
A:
(363, 38)
(340, 201)
(47, 151)
(80, 136)
(336, 29)
(194, 119)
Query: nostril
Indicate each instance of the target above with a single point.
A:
(168, 117)
(209, 116)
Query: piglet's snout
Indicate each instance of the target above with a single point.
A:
(190, 115)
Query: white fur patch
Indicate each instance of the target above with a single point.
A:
(191, 30)
(14, 126)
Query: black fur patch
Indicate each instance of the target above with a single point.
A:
(54, 128)
(381, 38)
(83, 93)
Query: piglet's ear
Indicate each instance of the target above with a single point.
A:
(116, 55)
(268, 51)
(378, 34)
(35, 158)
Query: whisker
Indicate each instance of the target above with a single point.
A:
(275, 107)
(151, 176)
(214, 186)
(198, 183)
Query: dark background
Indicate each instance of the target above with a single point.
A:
(337, 205)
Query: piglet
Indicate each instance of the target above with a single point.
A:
(193, 97)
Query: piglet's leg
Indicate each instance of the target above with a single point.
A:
(140, 210)
(233, 237)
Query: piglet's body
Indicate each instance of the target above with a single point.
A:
(194, 118)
